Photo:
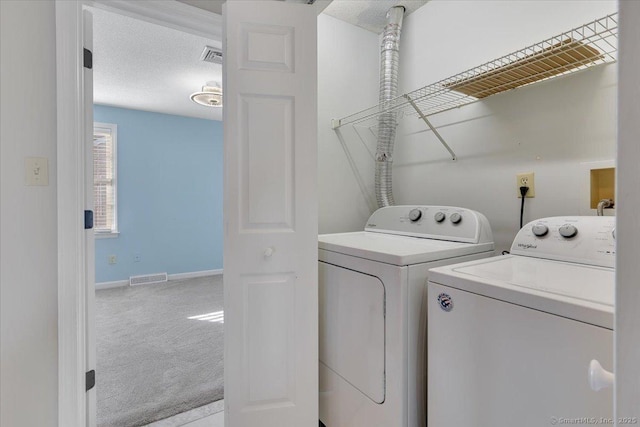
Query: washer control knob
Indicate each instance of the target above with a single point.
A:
(568, 231)
(415, 215)
(613, 233)
(540, 230)
(456, 218)
(439, 217)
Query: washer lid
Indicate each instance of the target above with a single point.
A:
(397, 250)
(580, 292)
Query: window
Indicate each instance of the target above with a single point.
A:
(104, 179)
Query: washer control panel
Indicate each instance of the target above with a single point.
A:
(433, 222)
(581, 239)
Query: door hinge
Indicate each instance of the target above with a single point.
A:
(88, 220)
(88, 58)
(90, 379)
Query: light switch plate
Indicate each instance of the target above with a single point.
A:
(36, 171)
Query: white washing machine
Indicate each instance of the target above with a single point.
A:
(511, 338)
(372, 288)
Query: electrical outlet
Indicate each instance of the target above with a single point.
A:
(526, 180)
(112, 259)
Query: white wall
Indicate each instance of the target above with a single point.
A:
(348, 59)
(628, 269)
(28, 266)
(549, 128)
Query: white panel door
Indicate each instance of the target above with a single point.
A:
(270, 202)
(89, 205)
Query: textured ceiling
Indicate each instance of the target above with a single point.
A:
(146, 66)
(369, 14)
(149, 67)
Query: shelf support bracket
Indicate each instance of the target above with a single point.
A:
(435, 132)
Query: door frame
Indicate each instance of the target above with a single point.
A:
(72, 250)
(72, 346)
(627, 345)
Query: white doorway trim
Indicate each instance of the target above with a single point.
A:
(171, 14)
(72, 320)
(627, 345)
(71, 245)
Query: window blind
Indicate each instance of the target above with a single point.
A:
(104, 182)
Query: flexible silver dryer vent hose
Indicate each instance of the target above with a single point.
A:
(387, 122)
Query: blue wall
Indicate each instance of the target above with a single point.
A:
(169, 195)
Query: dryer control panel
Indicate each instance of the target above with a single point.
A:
(432, 222)
(581, 239)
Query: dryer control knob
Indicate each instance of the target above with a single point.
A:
(439, 216)
(568, 231)
(456, 218)
(540, 230)
(415, 215)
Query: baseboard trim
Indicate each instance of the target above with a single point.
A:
(193, 274)
(177, 276)
(114, 284)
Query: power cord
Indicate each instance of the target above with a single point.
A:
(523, 192)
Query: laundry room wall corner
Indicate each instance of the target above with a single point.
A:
(347, 81)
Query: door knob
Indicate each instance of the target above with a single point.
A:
(599, 378)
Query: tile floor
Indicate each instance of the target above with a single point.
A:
(215, 420)
(211, 415)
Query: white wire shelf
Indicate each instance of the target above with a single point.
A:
(586, 46)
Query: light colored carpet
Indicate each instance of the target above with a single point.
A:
(152, 360)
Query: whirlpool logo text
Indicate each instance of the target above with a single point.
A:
(527, 246)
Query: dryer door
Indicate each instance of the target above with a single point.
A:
(352, 327)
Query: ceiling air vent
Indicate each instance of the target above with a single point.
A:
(211, 54)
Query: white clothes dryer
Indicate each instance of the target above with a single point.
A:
(512, 338)
(372, 287)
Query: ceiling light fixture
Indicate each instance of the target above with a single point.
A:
(211, 95)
